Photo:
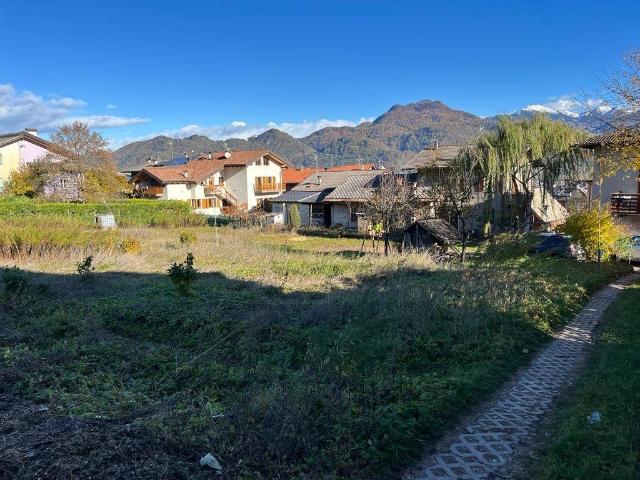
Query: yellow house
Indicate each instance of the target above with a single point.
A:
(20, 148)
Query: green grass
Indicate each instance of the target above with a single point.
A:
(323, 363)
(609, 450)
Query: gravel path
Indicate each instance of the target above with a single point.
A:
(488, 443)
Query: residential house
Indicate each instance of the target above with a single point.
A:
(429, 164)
(621, 191)
(217, 181)
(20, 148)
(294, 176)
(329, 198)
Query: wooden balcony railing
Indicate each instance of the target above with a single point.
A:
(268, 187)
(625, 203)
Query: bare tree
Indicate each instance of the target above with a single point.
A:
(87, 149)
(457, 188)
(391, 205)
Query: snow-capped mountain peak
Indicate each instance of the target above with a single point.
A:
(549, 110)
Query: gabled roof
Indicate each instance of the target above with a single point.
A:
(240, 158)
(191, 172)
(9, 138)
(433, 157)
(197, 170)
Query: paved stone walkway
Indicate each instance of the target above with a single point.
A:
(487, 443)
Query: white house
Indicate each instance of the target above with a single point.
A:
(240, 180)
(620, 190)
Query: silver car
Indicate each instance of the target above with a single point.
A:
(634, 253)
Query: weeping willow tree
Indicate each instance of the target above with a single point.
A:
(522, 155)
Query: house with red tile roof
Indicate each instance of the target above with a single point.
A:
(217, 181)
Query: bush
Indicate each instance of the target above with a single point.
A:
(293, 219)
(188, 238)
(182, 275)
(15, 282)
(595, 228)
(131, 245)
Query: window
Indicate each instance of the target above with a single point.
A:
(0, 158)
(355, 213)
(266, 161)
(266, 184)
(63, 182)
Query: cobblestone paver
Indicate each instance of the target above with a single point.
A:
(488, 442)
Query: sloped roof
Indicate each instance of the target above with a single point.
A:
(624, 137)
(191, 172)
(353, 167)
(439, 228)
(297, 175)
(242, 157)
(9, 138)
(329, 180)
(433, 157)
(354, 188)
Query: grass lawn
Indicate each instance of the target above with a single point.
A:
(610, 385)
(294, 357)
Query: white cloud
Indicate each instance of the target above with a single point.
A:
(24, 109)
(98, 121)
(240, 129)
(111, 106)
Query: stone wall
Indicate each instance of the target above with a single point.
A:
(64, 186)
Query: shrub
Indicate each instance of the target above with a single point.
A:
(85, 267)
(188, 238)
(293, 219)
(129, 212)
(15, 282)
(594, 229)
(131, 245)
(182, 275)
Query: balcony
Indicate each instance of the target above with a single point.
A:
(625, 203)
(268, 187)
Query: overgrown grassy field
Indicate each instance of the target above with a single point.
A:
(610, 449)
(294, 357)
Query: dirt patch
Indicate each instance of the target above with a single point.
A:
(37, 445)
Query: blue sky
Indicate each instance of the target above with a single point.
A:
(226, 68)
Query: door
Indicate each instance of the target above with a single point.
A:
(327, 215)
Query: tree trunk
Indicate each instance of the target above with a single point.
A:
(386, 243)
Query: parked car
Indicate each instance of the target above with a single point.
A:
(634, 253)
(556, 244)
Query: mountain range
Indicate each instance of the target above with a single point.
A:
(390, 139)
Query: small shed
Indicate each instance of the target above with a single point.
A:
(425, 233)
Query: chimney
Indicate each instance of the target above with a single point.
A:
(185, 174)
(32, 131)
(210, 155)
(437, 144)
(318, 180)
(227, 154)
